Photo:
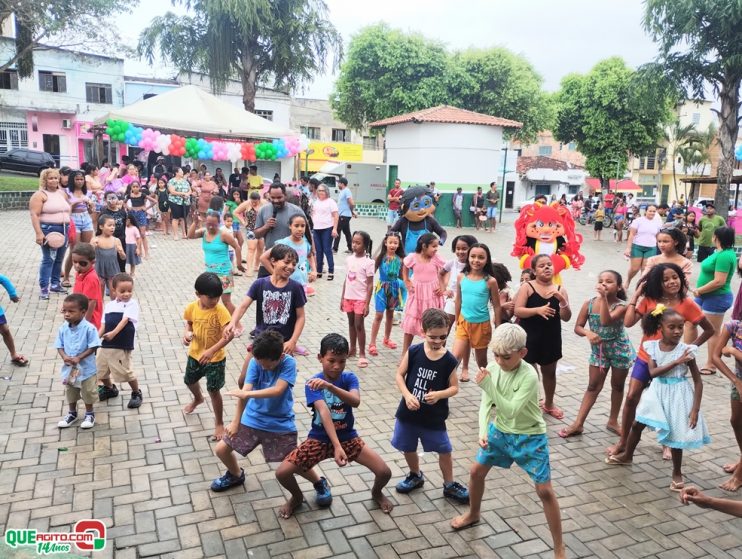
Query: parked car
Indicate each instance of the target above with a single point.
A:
(26, 161)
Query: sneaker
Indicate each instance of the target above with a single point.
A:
(323, 494)
(105, 392)
(58, 289)
(68, 420)
(136, 399)
(228, 481)
(44, 294)
(88, 422)
(457, 492)
(412, 481)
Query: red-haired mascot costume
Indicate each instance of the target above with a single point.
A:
(547, 229)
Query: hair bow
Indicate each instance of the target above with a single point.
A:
(658, 310)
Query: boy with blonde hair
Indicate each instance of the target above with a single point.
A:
(518, 432)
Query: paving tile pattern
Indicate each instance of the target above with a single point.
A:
(146, 472)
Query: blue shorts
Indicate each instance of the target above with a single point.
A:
(715, 304)
(392, 216)
(530, 452)
(492, 212)
(139, 217)
(82, 221)
(3, 319)
(235, 226)
(406, 436)
(640, 372)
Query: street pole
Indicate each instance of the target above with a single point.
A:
(502, 188)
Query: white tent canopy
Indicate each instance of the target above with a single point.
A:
(189, 110)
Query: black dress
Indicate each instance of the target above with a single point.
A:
(544, 341)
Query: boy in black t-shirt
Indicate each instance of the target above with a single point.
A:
(426, 377)
(332, 395)
(120, 318)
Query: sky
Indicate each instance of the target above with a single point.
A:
(556, 37)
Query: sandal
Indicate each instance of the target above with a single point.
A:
(554, 412)
(613, 461)
(330, 277)
(677, 486)
(708, 372)
(464, 377)
(390, 344)
(20, 361)
(319, 274)
(362, 363)
(66, 283)
(372, 350)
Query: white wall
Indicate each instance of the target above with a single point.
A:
(449, 154)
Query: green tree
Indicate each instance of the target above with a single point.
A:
(611, 112)
(699, 45)
(61, 23)
(387, 72)
(285, 42)
(497, 82)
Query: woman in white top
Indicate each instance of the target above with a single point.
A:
(642, 242)
(325, 221)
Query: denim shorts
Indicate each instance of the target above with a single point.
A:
(406, 436)
(492, 212)
(82, 221)
(715, 303)
(392, 216)
(530, 452)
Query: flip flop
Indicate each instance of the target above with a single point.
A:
(554, 412)
(390, 344)
(362, 363)
(66, 283)
(613, 461)
(372, 350)
(20, 361)
(463, 378)
(677, 486)
(709, 373)
(565, 435)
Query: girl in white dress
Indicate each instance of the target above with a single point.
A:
(672, 403)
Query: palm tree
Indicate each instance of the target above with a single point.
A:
(677, 137)
(697, 154)
(256, 41)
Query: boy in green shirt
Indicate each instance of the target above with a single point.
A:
(518, 433)
(708, 225)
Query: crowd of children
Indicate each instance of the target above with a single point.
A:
(468, 295)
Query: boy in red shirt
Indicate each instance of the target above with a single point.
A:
(87, 281)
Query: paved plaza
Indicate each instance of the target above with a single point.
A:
(146, 473)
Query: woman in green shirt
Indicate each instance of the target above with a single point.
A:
(713, 292)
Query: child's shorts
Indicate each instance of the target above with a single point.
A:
(478, 334)
(83, 221)
(598, 226)
(354, 305)
(3, 319)
(618, 353)
(275, 445)
(116, 362)
(311, 452)
(406, 435)
(87, 391)
(214, 373)
(640, 372)
(530, 452)
(227, 283)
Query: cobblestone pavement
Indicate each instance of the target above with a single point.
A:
(146, 472)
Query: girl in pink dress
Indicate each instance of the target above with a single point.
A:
(425, 287)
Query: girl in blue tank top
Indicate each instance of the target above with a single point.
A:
(477, 288)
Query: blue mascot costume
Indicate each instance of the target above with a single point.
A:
(416, 218)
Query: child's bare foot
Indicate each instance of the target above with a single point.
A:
(613, 427)
(732, 484)
(218, 433)
(464, 521)
(666, 453)
(384, 504)
(560, 553)
(192, 406)
(464, 375)
(571, 431)
(729, 468)
(352, 353)
(290, 506)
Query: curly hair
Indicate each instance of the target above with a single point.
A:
(653, 281)
(572, 239)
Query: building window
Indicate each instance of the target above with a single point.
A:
(312, 132)
(543, 189)
(53, 81)
(650, 162)
(696, 119)
(544, 150)
(267, 115)
(98, 93)
(571, 146)
(9, 79)
(13, 135)
(369, 142)
(340, 135)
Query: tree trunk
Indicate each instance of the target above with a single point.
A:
(728, 130)
(249, 78)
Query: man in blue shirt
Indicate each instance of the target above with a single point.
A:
(346, 211)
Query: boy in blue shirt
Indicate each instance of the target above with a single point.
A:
(265, 412)
(77, 342)
(15, 357)
(332, 395)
